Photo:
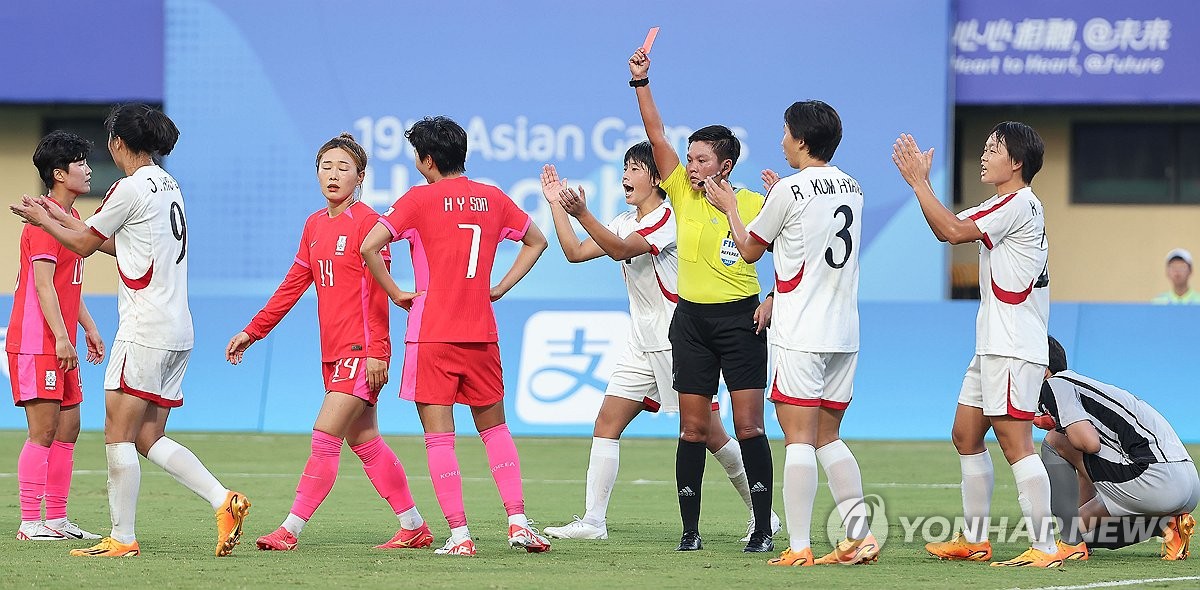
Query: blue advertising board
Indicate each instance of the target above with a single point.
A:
(80, 51)
(257, 87)
(557, 355)
(1093, 52)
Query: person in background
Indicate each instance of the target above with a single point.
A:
(1179, 271)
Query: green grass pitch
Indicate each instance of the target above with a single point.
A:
(176, 531)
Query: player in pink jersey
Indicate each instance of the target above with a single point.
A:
(1001, 387)
(642, 240)
(142, 224)
(355, 349)
(42, 361)
(454, 226)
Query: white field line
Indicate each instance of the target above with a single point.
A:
(1115, 583)
(891, 484)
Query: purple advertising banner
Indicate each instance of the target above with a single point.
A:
(81, 51)
(1076, 52)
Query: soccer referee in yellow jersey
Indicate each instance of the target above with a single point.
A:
(719, 325)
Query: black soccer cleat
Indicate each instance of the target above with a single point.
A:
(760, 542)
(690, 541)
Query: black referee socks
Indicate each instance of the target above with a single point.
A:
(756, 456)
(689, 475)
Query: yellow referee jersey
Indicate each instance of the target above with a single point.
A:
(710, 268)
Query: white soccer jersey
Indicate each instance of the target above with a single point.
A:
(652, 279)
(814, 220)
(1131, 432)
(144, 213)
(1014, 277)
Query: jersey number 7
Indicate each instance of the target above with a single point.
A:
(473, 263)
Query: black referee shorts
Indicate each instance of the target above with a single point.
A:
(709, 340)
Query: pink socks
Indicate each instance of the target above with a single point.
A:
(506, 467)
(319, 474)
(447, 481)
(58, 479)
(386, 473)
(31, 479)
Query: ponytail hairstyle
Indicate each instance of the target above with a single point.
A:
(143, 129)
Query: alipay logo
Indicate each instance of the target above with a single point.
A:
(869, 511)
(566, 359)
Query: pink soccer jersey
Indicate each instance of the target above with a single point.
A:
(453, 227)
(351, 309)
(28, 332)
(1014, 277)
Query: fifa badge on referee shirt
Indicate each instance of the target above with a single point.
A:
(729, 251)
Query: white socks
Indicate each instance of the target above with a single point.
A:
(977, 482)
(294, 524)
(730, 457)
(183, 465)
(410, 519)
(1033, 493)
(845, 482)
(799, 491)
(124, 481)
(601, 477)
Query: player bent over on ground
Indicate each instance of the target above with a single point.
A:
(355, 349)
(42, 361)
(142, 223)
(454, 226)
(1118, 471)
(719, 327)
(1000, 389)
(812, 221)
(643, 239)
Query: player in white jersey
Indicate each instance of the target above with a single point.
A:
(1000, 389)
(142, 223)
(643, 241)
(812, 222)
(1127, 474)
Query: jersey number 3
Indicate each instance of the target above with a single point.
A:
(844, 234)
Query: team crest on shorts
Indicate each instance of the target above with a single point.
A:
(51, 380)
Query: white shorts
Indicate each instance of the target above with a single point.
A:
(1002, 386)
(1163, 489)
(148, 373)
(645, 377)
(824, 379)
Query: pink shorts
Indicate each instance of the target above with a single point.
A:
(37, 376)
(349, 376)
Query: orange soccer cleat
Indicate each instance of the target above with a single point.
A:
(959, 548)
(230, 517)
(801, 558)
(852, 552)
(109, 547)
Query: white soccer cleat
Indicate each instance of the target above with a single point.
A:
(527, 538)
(775, 526)
(465, 548)
(71, 530)
(577, 529)
(37, 531)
